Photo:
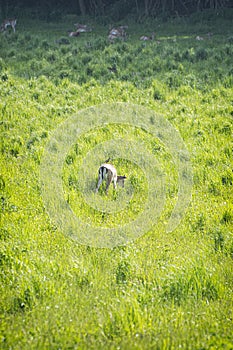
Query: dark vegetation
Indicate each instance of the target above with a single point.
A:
(164, 290)
(112, 9)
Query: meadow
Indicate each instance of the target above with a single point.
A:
(163, 290)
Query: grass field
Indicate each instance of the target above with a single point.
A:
(163, 290)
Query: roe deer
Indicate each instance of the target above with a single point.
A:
(9, 22)
(108, 173)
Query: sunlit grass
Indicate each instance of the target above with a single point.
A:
(164, 290)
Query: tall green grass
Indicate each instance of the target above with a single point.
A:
(164, 290)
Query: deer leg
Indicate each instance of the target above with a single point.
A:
(100, 180)
(109, 180)
(115, 182)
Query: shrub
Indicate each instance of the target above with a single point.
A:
(35, 65)
(201, 54)
(122, 272)
(196, 284)
(12, 53)
(227, 217)
(173, 79)
(45, 45)
(157, 95)
(4, 76)
(218, 241)
(189, 55)
(86, 58)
